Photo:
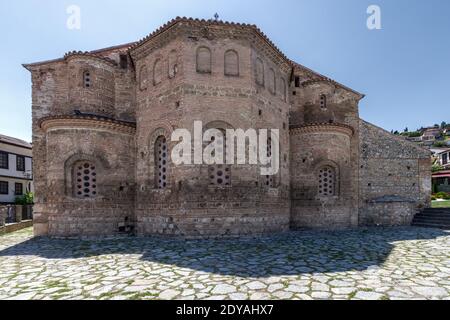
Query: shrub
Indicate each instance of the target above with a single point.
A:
(442, 195)
(28, 198)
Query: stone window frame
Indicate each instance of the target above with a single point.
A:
(262, 82)
(337, 180)
(143, 78)
(102, 167)
(151, 157)
(198, 69)
(161, 163)
(233, 51)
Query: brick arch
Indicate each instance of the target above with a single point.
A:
(162, 131)
(204, 59)
(325, 165)
(102, 167)
(231, 63)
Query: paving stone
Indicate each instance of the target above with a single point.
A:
(147, 268)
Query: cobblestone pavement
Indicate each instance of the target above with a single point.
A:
(393, 263)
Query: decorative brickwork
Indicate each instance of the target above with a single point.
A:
(113, 111)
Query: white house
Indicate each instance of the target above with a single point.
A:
(16, 175)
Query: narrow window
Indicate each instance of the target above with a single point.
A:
(283, 89)
(161, 163)
(323, 101)
(231, 63)
(4, 187)
(85, 180)
(297, 82)
(20, 163)
(18, 189)
(272, 81)
(259, 71)
(327, 182)
(203, 60)
(143, 77)
(270, 182)
(173, 64)
(123, 61)
(157, 72)
(87, 79)
(4, 163)
(444, 158)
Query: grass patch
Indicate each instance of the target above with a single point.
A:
(440, 204)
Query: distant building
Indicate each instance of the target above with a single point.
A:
(443, 156)
(16, 176)
(430, 135)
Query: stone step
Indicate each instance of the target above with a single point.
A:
(432, 225)
(432, 216)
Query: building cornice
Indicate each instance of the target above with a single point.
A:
(87, 122)
(322, 127)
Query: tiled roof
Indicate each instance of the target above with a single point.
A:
(15, 141)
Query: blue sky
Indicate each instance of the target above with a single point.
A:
(404, 69)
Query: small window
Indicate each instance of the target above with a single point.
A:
(297, 82)
(85, 180)
(444, 158)
(4, 163)
(20, 163)
(323, 101)
(327, 182)
(4, 187)
(87, 79)
(18, 189)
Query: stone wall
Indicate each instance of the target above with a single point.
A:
(395, 178)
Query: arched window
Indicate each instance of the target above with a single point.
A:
(231, 63)
(173, 64)
(220, 174)
(203, 60)
(87, 79)
(272, 81)
(259, 72)
(283, 89)
(85, 179)
(327, 182)
(270, 180)
(323, 101)
(143, 77)
(157, 72)
(161, 163)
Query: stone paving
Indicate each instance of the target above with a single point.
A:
(369, 264)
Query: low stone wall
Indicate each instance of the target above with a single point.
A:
(17, 223)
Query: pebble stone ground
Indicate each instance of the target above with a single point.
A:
(368, 264)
